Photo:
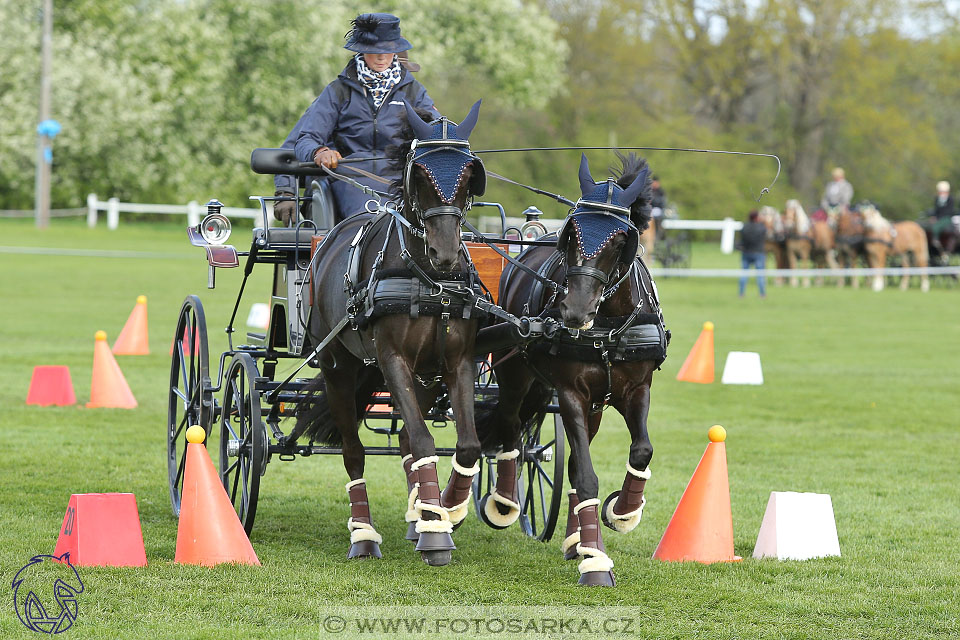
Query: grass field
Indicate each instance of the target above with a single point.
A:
(860, 401)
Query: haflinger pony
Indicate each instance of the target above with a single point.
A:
(392, 293)
(850, 243)
(613, 340)
(774, 244)
(823, 252)
(798, 234)
(901, 239)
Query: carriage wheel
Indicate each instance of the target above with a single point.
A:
(190, 395)
(243, 438)
(540, 479)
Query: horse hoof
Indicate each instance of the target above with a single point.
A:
(597, 579)
(412, 534)
(438, 558)
(603, 510)
(364, 549)
(571, 553)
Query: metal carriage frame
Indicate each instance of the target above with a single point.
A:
(246, 403)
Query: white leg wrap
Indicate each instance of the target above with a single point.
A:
(424, 461)
(360, 531)
(354, 483)
(443, 525)
(627, 522)
(493, 514)
(412, 514)
(434, 526)
(508, 455)
(592, 502)
(459, 512)
(643, 475)
(404, 458)
(594, 560)
(571, 540)
(465, 471)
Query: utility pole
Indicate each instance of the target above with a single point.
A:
(44, 151)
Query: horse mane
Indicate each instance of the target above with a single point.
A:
(398, 152)
(802, 222)
(873, 219)
(771, 217)
(630, 167)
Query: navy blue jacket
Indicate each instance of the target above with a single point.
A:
(355, 128)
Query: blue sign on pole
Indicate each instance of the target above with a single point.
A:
(49, 128)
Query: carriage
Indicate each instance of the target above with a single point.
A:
(239, 400)
(402, 298)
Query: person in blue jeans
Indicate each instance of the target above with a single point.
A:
(753, 236)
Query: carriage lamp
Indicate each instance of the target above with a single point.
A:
(532, 229)
(215, 227)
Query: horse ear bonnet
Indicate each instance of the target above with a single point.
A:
(602, 212)
(446, 165)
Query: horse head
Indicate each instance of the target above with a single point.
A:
(606, 224)
(795, 219)
(770, 218)
(440, 178)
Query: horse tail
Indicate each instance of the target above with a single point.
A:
(923, 254)
(484, 421)
(313, 415)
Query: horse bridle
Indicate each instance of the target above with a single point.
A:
(444, 144)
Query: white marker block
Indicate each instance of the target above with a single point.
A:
(742, 367)
(259, 317)
(797, 526)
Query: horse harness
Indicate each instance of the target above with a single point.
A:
(635, 337)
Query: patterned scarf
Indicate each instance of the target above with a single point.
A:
(379, 84)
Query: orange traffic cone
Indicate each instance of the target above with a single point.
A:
(108, 387)
(133, 339)
(698, 367)
(701, 528)
(209, 532)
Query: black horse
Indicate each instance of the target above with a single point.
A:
(612, 342)
(393, 288)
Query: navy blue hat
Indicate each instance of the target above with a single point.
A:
(376, 33)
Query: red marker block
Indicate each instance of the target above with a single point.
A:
(102, 529)
(51, 385)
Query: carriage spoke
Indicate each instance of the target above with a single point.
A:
(183, 461)
(245, 495)
(236, 482)
(543, 475)
(231, 468)
(543, 497)
(180, 394)
(230, 429)
(176, 434)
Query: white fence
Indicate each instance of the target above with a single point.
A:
(193, 210)
(727, 227)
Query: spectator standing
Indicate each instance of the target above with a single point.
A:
(753, 238)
